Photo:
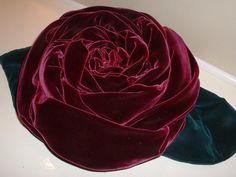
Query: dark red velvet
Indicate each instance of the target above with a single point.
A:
(107, 88)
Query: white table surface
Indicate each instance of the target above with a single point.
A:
(21, 154)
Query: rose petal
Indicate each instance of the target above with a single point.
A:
(71, 96)
(86, 139)
(121, 107)
(112, 82)
(89, 81)
(75, 58)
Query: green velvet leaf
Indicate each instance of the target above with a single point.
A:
(210, 132)
(11, 64)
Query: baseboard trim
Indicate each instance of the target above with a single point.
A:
(217, 72)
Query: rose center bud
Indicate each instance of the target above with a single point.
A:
(105, 61)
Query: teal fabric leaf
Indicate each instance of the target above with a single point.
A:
(209, 136)
(11, 64)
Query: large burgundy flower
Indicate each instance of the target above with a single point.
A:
(107, 88)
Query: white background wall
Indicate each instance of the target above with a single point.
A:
(21, 21)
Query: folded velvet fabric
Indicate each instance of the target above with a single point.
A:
(109, 88)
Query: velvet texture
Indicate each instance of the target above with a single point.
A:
(107, 88)
(209, 134)
(11, 64)
(114, 91)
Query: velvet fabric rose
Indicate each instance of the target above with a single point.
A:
(107, 88)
